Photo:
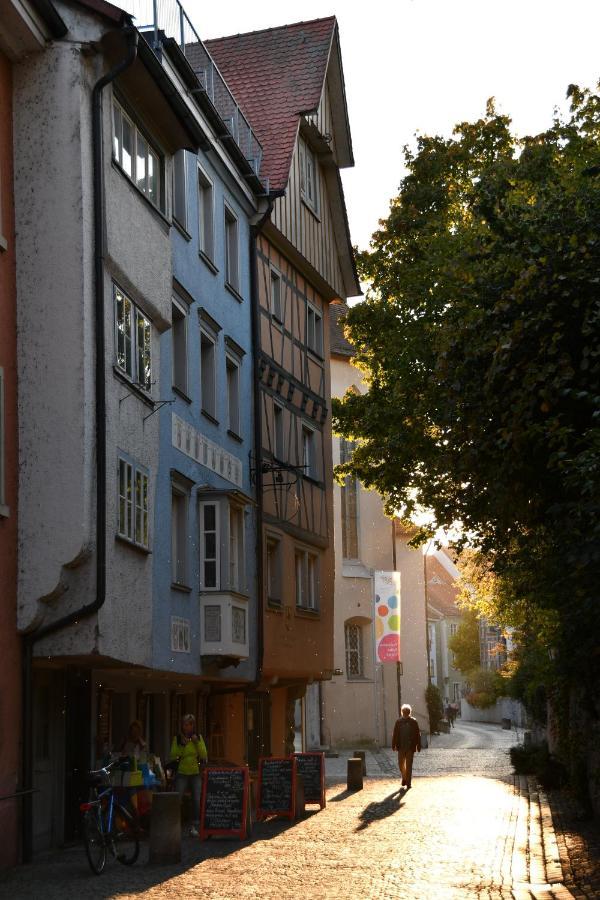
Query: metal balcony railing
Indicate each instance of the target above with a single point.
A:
(169, 16)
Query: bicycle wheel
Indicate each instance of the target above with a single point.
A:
(125, 836)
(93, 838)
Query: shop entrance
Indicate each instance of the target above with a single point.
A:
(258, 728)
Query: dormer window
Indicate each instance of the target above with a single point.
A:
(308, 176)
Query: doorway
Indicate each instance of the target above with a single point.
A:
(258, 728)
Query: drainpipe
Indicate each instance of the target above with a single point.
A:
(87, 610)
(255, 314)
(260, 575)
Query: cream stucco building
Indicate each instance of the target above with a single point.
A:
(360, 704)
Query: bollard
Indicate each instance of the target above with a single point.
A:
(354, 778)
(165, 828)
(506, 724)
(300, 801)
(363, 756)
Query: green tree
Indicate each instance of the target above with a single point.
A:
(464, 644)
(479, 343)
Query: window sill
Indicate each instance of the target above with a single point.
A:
(151, 206)
(234, 292)
(4, 511)
(3, 243)
(315, 354)
(235, 436)
(178, 586)
(208, 262)
(316, 481)
(181, 394)
(209, 416)
(182, 229)
(138, 391)
(306, 612)
(145, 551)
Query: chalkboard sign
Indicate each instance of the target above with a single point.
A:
(224, 807)
(276, 787)
(311, 766)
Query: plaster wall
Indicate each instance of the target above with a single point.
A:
(57, 348)
(10, 656)
(364, 710)
(55, 308)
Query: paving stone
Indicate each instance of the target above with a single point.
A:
(466, 829)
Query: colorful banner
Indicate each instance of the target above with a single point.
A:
(387, 616)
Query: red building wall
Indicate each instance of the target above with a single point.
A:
(10, 668)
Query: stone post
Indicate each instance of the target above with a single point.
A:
(165, 828)
(363, 755)
(354, 779)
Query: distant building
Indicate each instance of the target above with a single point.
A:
(444, 619)
(360, 704)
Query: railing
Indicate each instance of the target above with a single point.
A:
(170, 17)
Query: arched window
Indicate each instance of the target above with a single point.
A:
(355, 667)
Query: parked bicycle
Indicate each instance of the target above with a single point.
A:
(107, 824)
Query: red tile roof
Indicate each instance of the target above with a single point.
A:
(275, 75)
(441, 588)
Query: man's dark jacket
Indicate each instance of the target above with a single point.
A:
(415, 734)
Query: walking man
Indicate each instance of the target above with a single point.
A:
(406, 740)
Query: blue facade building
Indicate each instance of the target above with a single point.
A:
(205, 578)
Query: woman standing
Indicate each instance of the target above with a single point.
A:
(189, 749)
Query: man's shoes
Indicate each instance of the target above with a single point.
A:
(408, 787)
(403, 783)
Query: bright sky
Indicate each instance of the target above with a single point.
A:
(423, 65)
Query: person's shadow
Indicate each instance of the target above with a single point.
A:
(382, 809)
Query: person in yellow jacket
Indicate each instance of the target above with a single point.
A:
(189, 749)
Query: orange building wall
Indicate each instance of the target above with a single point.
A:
(10, 666)
(278, 721)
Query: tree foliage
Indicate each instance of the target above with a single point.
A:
(479, 343)
(464, 644)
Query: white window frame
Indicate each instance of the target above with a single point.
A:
(207, 336)
(231, 226)
(206, 215)
(130, 332)
(141, 181)
(233, 364)
(179, 534)
(236, 544)
(179, 379)
(306, 575)
(202, 505)
(314, 329)
(357, 652)
(275, 296)
(180, 635)
(179, 176)
(309, 184)
(134, 525)
(4, 509)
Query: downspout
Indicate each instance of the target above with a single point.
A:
(87, 610)
(260, 574)
(258, 479)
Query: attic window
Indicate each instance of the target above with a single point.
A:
(308, 176)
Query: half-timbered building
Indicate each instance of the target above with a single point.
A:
(289, 81)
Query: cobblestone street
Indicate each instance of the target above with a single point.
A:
(468, 828)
